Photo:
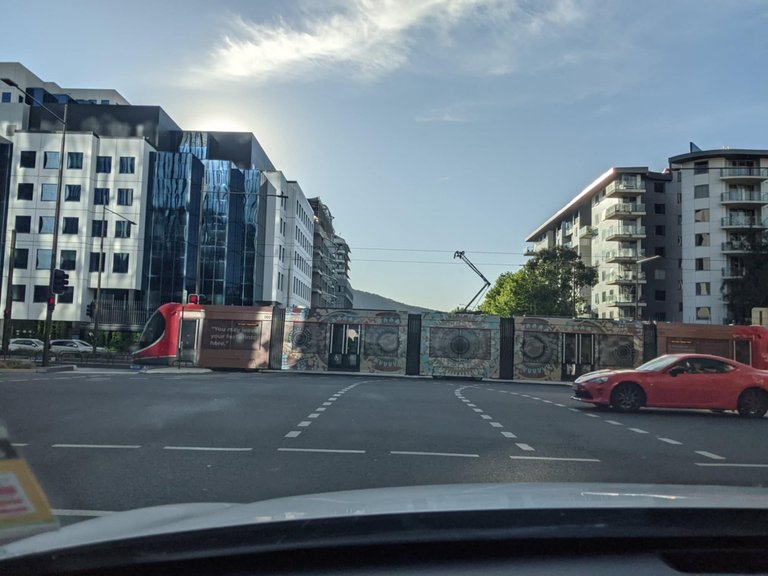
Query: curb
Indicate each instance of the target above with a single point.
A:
(172, 370)
(421, 377)
(65, 368)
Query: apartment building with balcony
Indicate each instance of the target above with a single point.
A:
(615, 224)
(723, 195)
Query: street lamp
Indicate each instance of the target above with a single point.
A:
(97, 307)
(637, 281)
(54, 247)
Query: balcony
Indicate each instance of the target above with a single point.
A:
(629, 187)
(624, 233)
(732, 273)
(744, 198)
(734, 246)
(625, 210)
(530, 250)
(567, 228)
(586, 232)
(623, 300)
(741, 222)
(744, 174)
(622, 255)
(625, 278)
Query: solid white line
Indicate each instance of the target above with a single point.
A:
(303, 424)
(94, 446)
(507, 434)
(322, 450)
(407, 453)
(526, 447)
(496, 424)
(560, 405)
(591, 415)
(314, 415)
(638, 430)
(207, 449)
(293, 434)
(84, 513)
(709, 455)
(555, 459)
(670, 441)
(722, 465)
(19, 444)
(614, 423)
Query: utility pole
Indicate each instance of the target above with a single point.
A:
(8, 294)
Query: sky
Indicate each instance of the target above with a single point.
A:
(426, 126)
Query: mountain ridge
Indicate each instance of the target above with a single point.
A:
(372, 301)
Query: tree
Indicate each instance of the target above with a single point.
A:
(549, 284)
(748, 291)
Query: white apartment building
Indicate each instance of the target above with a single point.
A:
(723, 195)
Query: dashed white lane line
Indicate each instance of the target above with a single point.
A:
(293, 434)
(119, 446)
(478, 410)
(638, 430)
(472, 405)
(507, 434)
(559, 405)
(496, 424)
(19, 444)
(525, 447)
(486, 417)
(709, 455)
(457, 455)
(573, 409)
(591, 415)
(548, 401)
(304, 424)
(321, 450)
(314, 415)
(614, 423)
(554, 459)
(327, 404)
(670, 441)
(207, 449)
(320, 409)
(730, 465)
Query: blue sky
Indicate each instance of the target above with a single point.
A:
(427, 126)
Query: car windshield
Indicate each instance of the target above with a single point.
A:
(277, 248)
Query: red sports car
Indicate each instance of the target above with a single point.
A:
(679, 381)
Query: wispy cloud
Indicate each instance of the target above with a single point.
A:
(453, 113)
(368, 39)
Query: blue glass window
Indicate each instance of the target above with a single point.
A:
(120, 263)
(68, 296)
(43, 259)
(122, 229)
(127, 164)
(19, 292)
(20, 258)
(45, 225)
(25, 191)
(100, 196)
(51, 160)
(72, 193)
(71, 225)
(75, 160)
(98, 228)
(6, 97)
(27, 159)
(103, 164)
(40, 294)
(125, 196)
(23, 224)
(48, 193)
(93, 262)
(68, 259)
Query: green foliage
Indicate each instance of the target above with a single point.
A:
(549, 285)
(749, 291)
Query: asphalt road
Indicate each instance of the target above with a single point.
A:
(101, 442)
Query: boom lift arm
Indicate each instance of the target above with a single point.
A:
(460, 254)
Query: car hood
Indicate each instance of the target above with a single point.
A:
(605, 372)
(178, 518)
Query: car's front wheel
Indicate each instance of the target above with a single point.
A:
(753, 403)
(627, 397)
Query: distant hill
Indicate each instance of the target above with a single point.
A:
(368, 300)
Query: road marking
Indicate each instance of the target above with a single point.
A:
(327, 404)
(320, 409)
(472, 405)
(314, 415)
(19, 444)
(638, 430)
(507, 434)
(207, 448)
(709, 455)
(293, 434)
(407, 453)
(614, 423)
(496, 424)
(560, 405)
(573, 409)
(555, 459)
(94, 446)
(534, 398)
(486, 417)
(515, 393)
(304, 424)
(526, 447)
(729, 465)
(321, 450)
(591, 415)
(547, 401)
(478, 410)
(670, 441)
(332, 400)
(83, 513)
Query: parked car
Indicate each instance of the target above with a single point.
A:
(25, 345)
(74, 346)
(679, 381)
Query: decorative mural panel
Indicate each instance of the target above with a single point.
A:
(461, 345)
(617, 351)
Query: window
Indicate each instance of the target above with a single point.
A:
(43, 259)
(122, 229)
(701, 191)
(45, 225)
(48, 192)
(25, 192)
(51, 160)
(68, 296)
(702, 263)
(68, 259)
(660, 251)
(71, 225)
(93, 262)
(703, 289)
(103, 164)
(100, 196)
(661, 230)
(702, 239)
(74, 160)
(23, 224)
(72, 193)
(120, 263)
(701, 215)
(125, 196)
(660, 295)
(27, 159)
(99, 228)
(658, 187)
(6, 97)
(679, 219)
(660, 208)
(659, 274)
(703, 313)
(679, 176)
(20, 258)
(40, 294)
(701, 167)
(127, 164)
(18, 293)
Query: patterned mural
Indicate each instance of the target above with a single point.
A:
(460, 345)
(540, 342)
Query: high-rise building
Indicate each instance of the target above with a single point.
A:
(344, 296)
(323, 257)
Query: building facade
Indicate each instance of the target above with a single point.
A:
(345, 297)
(324, 293)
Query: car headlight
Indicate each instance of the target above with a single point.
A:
(598, 380)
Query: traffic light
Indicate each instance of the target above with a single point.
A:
(60, 281)
(51, 302)
(89, 310)
(196, 299)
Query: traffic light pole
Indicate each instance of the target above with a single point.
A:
(97, 306)
(54, 248)
(9, 294)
